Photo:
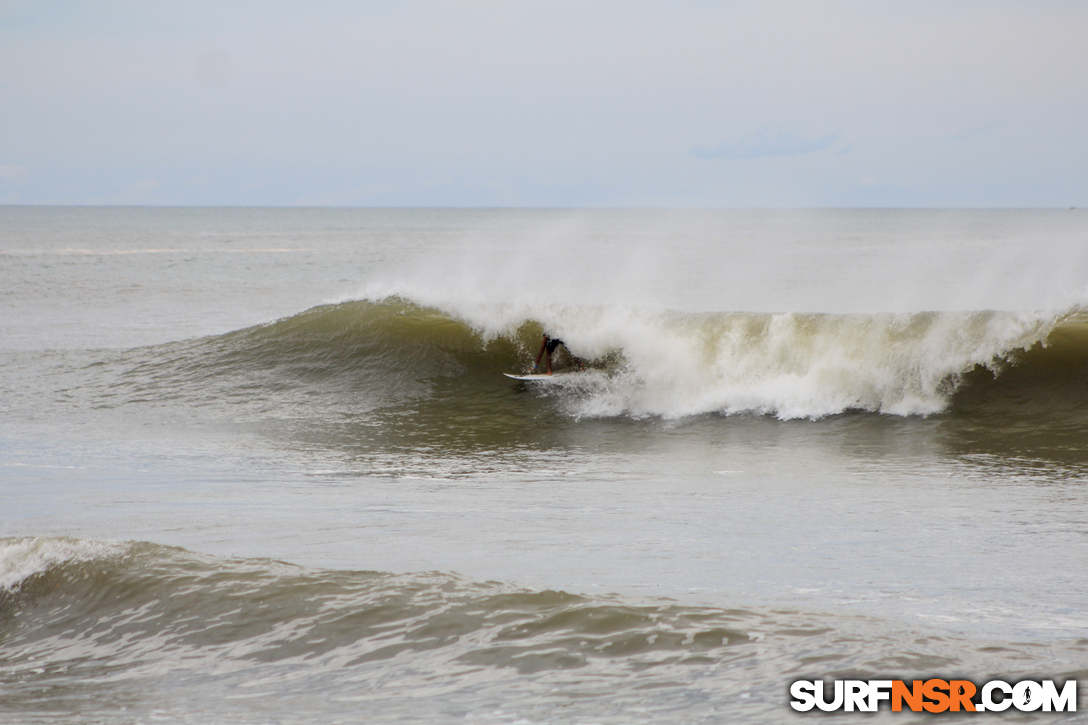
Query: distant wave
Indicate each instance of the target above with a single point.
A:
(640, 363)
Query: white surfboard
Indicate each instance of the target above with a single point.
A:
(537, 377)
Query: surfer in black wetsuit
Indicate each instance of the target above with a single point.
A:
(547, 347)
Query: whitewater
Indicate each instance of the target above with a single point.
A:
(263, 464)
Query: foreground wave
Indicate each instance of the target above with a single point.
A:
(116, 630)
(641, 363)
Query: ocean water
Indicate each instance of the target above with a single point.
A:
(262, 465)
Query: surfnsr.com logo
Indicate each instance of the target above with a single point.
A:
(934, 695)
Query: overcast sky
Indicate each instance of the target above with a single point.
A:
(545, 103)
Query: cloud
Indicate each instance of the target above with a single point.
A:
(143, 187)
(12, 172)
(351, 197)
(214, 69)
(972, 131)
(763, 144)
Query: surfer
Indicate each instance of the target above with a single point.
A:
(547, 347)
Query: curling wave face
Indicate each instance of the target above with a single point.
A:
(365, 355)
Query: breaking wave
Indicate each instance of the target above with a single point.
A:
(118, 623)
(638, 363)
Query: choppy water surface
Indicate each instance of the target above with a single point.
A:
(262, 465)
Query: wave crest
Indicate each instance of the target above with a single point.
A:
(366, 355)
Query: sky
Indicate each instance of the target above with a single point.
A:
(543, 103)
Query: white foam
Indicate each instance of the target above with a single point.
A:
(787, 365)
(804, 366)
(21, 559)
